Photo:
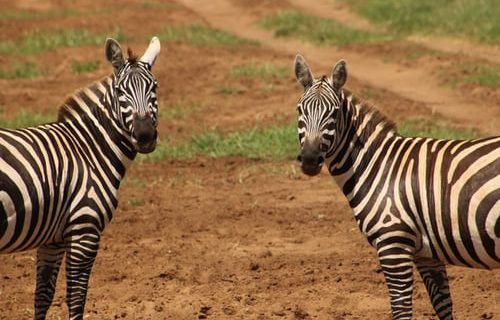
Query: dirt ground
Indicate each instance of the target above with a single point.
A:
(235, 238)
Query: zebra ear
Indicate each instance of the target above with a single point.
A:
(339, 74)
(302, 72)
(152, 52)
(114, 53)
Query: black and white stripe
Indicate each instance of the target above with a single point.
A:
(419, 201)
(59, 181)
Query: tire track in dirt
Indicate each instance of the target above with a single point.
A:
(411, 83)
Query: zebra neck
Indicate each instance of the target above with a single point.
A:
(90, 110)
(363, 134)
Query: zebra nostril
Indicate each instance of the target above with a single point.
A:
(299, 157)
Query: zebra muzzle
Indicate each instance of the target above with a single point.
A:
(311, 160)
(144, 134)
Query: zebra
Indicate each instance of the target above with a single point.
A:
(418, 201)
(59, 181)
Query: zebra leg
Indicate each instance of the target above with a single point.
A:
(80, 257)
(433, 273)
(397, 265)
(49, 258)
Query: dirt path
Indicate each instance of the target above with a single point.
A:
(412, 83)
(334, 9)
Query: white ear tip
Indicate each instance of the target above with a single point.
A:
(155, 41)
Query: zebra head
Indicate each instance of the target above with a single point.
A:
(134, 93)
(318, 110)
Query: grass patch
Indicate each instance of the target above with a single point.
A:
(317, 30)
(472, 19)
(180, 110)
(30, 15)
(21, 71)
(136, 202)
(133, 182)
(435, 129)
(228, 90)
(46, 40)
(199, 35)
(477, 74)
(260, 71)
(85, 66)
(25, 119)
(272, 143)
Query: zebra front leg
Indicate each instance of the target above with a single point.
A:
(433, 273)
(396, 262)
(80, 257)
(49, 258)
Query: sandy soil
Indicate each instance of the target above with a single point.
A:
(235, 238)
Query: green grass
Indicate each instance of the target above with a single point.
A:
(260, 70)
(477, 74)
(80, 67)
(133, 182)
(136, 201)
(179, 110)
(317, 30)
(271, 143)
(472, 19)
(25, 119)
(46, 40)
(31, 15)
(199, 35)
(434, 129)
(21, 71)
(228, 90)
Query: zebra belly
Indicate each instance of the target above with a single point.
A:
(22, 228)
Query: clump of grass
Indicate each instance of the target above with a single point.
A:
(30, 15)
(25, 119)
(136, 202)
(476, 74)
(463, 18)
(228, 90)
(85, 66)
(199, 35)
(21, 71)
(272, 143)
(179, 110)
(317, 30)
(133, 182)
(260, 70)
(435, 129)
(46, 40)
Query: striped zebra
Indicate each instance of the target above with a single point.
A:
(418, 201)
(59, 181)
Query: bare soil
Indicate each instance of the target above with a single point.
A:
(234, 238)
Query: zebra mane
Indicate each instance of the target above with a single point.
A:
(365, 109)
(132, 57)
(72, 104)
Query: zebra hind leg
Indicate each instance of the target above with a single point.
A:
(433, 273)
(397, 265)
(80, 257)
(49, 258)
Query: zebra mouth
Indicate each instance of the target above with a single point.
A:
(146, 148)
(310, 168)
(145, 144)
